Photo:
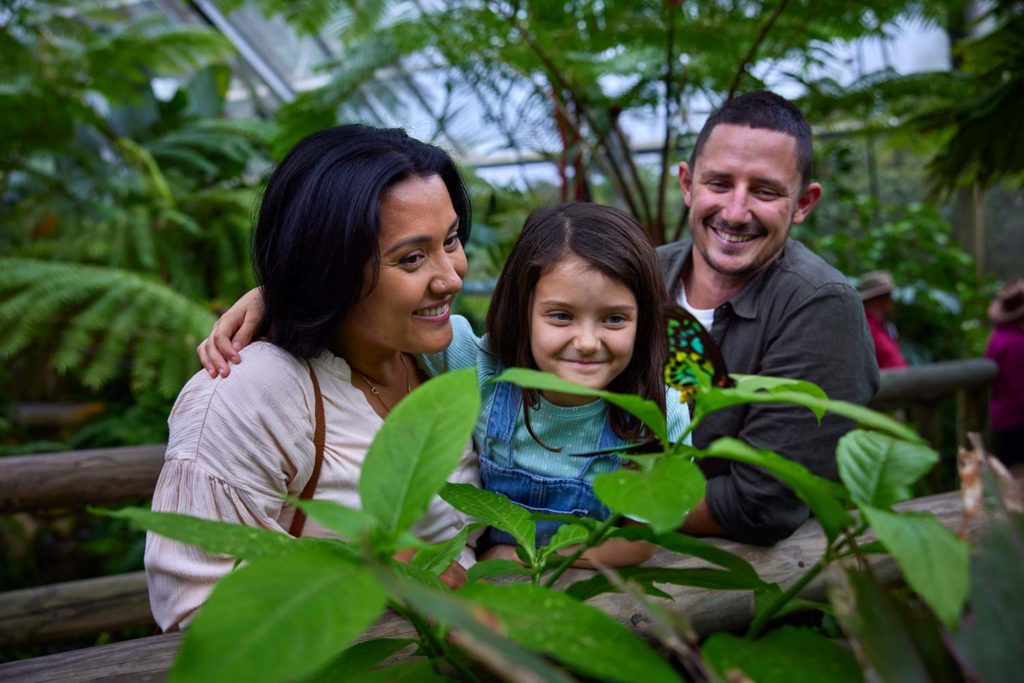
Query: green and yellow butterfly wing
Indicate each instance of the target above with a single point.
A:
(691, 349)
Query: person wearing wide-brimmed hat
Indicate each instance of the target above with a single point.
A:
(875, 290)
(1006, 348)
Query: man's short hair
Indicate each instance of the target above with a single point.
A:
(763, 109)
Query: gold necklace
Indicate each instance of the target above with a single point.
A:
(376, 392)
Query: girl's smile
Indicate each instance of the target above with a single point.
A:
(582, 326)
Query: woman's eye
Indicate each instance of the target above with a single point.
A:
(411, 259)
(452, 241)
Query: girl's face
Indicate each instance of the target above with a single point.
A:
(421, 269)
(582, 327)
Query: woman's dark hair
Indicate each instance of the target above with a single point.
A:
(319, 222)
(615, 245)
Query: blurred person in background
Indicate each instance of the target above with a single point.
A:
(1006, 348)
(876, 292)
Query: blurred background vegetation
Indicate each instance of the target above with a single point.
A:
(135, 138)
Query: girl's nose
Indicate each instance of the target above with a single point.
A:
(587, 341)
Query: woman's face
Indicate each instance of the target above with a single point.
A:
(422, 264)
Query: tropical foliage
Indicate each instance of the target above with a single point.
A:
(313, 597)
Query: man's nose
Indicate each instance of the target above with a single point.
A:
(736, 210)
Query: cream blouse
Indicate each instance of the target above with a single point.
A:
(238, 444)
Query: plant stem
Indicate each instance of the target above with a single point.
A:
(761, 620)
(595, 536)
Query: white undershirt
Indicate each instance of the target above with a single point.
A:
(706, 316)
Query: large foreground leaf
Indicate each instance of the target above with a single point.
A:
(494, 510)
(416, 450)
(236, 540)
(660, 497)
(788, 655)
(279, 619)
(646, 411)
(822, 496)
(879, 470)
(933, 558)
(577, 634)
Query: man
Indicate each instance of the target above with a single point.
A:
(875, 290)
(772, 306)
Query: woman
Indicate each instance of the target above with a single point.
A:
(358, 248)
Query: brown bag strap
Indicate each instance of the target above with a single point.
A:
(319, 435)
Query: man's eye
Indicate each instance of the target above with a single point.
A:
(766, 194)
(717, 185)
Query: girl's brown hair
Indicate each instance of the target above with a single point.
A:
(613, 244)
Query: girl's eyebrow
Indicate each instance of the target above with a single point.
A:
(566, 304)
(419, 239)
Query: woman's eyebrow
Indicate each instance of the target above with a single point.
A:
(418, 239)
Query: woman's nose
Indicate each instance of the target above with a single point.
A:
(448, 279)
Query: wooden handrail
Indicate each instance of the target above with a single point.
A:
(934, 380)
(708, 610)
(78, 478)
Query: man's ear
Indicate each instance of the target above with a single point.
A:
(685, 181)
(808, 198)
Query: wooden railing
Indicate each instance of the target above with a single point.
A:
(922, 389)
(102, 477)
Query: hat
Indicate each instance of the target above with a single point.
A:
(1009, 303)
(875, 283)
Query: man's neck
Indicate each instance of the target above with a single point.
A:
(707, 288)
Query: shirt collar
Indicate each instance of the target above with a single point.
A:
(744, 303)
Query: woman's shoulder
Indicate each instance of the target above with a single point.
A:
(267, 375)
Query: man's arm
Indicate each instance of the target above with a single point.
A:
(823, 340)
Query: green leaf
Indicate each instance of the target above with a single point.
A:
(933, 559)
(572, 632)
(495, 510)
(474, 624)
(435, 559)
(777, 384)
(359, 658)
(879, 470)
(236, 540)
(415, 671)
(880, 626)
(788, 655)
(715, 399)
(418, 447)
(348, 523)
(702, 577)
(489, 568)
(660, 497)
(993, 629)
(567, 535)
(644, 410)
(688, 545)
(279, 619)
(822, 496)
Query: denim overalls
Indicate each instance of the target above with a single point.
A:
(568, 495)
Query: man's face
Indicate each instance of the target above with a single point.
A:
(744, 193)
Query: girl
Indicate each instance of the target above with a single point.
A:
(581, 296)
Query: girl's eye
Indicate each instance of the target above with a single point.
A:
(616, 319)
(559, 316)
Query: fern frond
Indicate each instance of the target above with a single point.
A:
(106, 319)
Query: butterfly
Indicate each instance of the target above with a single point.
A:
(691, 349)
